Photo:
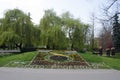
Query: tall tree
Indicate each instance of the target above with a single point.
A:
(51, 31)
(20, 27)
(75, 30)
(93, 27)
(105, 38)
(116, 32)
(68, 25)
(110, 11)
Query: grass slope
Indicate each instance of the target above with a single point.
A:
(112, 62)
(17, 57)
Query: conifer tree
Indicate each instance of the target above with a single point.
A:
(116, 32)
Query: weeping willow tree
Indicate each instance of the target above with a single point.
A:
(51, 31)
(58, 37)
(54, 32)
(79, 37)
(60, 32)
(75, 30)
(17, 30)
(9, 38)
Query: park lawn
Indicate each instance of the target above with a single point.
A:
(23, 57)
(112, 62)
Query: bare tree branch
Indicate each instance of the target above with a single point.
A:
(111, 5)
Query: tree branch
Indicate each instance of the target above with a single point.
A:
(111, 5)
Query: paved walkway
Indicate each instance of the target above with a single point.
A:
(57, 74)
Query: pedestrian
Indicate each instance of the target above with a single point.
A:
(108, 51)
(113, 51)
(100, 51)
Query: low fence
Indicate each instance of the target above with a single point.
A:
(7, 52)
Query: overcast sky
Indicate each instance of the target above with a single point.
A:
(79, 8)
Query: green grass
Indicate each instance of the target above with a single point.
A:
(23, 57)
(112, 62)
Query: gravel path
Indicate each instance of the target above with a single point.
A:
(58, 74)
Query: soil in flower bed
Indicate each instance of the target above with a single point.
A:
(59, 60)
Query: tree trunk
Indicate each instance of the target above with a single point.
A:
(19, 46)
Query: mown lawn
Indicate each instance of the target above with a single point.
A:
(112, 62)
(23, 57)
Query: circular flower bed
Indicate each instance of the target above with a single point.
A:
(58, 58)
(54, 59)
